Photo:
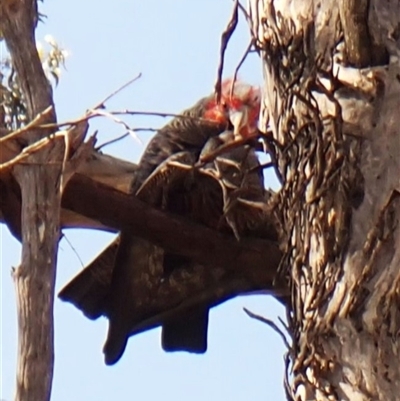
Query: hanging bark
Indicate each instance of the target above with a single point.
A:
(332, 101)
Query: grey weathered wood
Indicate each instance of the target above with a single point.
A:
(115, 173)
(41, 197)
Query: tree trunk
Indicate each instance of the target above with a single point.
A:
(332, 102)
(39, 179)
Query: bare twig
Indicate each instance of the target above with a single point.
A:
(242, 8)
(249, 20)
(160, 114)
(73, 249)
(269, 323)
(32, 124)
(262, 167)
(38, 145)
(100, 105)
(78, 158)
(118, 121)
(209, 157)
(225, 37)
(96, 113)
(119, 138)
(111, 141)
(242, 60)
(29, 150)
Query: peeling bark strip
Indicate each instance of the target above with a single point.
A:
(39, 182)
(337, 144)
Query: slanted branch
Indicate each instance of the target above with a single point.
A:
(220, 267)
(199, 243)
(96, 197)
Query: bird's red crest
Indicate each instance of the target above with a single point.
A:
(237, 93)
(235, 96)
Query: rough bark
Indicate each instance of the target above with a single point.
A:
(39, 182)
(112, 172)
(336, 139)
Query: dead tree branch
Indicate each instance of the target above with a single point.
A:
(203, 245)
(225, 37)
(110, 171)
(220, 267)
(94, 195)
(39, 183)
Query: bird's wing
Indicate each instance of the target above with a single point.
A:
(89, 289)
(166, 175)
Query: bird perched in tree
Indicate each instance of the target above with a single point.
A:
(165, 178)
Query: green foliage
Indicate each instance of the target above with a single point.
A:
(53, 58)
(13, 109)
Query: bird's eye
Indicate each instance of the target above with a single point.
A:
(224, 105)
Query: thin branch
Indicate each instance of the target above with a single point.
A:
(96, 113)
(242, 60)
(73, 249)
(244, 11)
(92, 112)
(111, 141)
(159, 114)
(119, 138)
(118, 121)
(79, 157)
(209, 157)
(110, 171)
(269, 323)
(225, 37)
(100, 105)
(32, 124)
(249, 21)
(31, 149)
(262, 167)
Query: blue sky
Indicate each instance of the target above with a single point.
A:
(175, 45)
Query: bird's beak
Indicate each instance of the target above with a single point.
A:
(238, 119)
